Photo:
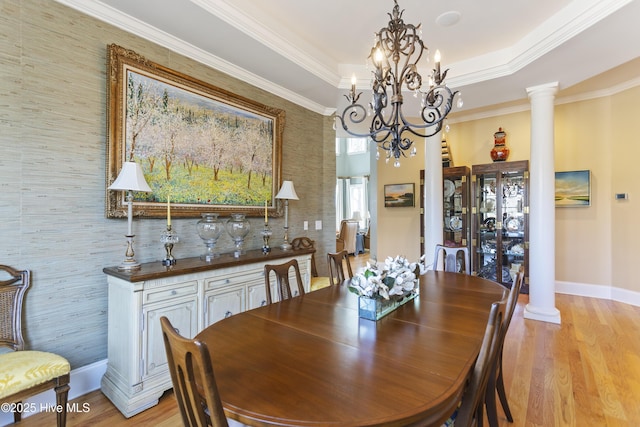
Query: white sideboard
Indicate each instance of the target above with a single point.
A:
(192, 294)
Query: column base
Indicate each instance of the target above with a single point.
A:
(536, 313)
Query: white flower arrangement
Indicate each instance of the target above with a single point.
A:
(397, 276)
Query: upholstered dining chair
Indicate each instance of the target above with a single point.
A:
(496, 380)
(316, 281)
(283, 282)
(25, 373)
(194, 382)
(346, 239)
(456, 258)
(336, 261)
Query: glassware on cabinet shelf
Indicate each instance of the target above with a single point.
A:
(500, 236)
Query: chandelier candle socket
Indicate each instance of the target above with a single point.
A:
(395, 55)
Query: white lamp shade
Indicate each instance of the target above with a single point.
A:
(131, 178)
(287, 191)
(356, 216)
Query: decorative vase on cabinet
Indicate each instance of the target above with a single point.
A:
(499, 152)
(500, 223)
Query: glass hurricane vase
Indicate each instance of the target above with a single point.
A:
(209, 230)
(238, 227)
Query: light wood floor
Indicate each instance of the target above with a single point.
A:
(585, 372)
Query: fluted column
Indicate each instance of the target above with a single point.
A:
(542, 207)
(433, 215)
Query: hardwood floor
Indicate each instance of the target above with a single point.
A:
(585, 372)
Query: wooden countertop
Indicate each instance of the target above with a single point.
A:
(155, 270)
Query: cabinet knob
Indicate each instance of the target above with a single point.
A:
(173, 292)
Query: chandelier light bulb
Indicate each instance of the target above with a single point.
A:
(396, 164)
(460, 102)
(437, 55)
(413, 152)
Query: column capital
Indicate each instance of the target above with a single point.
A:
(546, 88)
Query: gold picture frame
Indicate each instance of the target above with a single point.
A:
(205, 148)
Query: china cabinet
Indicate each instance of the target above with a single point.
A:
(456, 211)
(455, 191)
(500, 221)
(192, 294)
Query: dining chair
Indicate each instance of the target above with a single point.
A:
(456, 258)
(283, 282)
(346, 238)
(26, 373)
(471, 405)
(336, 261)
(194, 382)
(316, 281)
(496, 380)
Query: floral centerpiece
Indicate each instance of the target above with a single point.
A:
(384, 287)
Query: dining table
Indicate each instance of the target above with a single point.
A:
(312, 361)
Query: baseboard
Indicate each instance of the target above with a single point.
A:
(83, 380)
(599, 291)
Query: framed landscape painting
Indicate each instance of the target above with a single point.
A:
(399, 195)
(573, 189)
(206, 149)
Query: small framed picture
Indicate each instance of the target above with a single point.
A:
(399, 195)
(573, 189)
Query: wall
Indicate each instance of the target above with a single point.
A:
(596, 245)
(52, 171)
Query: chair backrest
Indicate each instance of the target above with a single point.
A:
(512, 301)
(456, 258)
(336, 261)
(306, 243)
(347, 236)
(194, 383)
(13, 284)
(283, 283)
(473, 396)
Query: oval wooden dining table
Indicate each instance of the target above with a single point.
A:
(311, 361)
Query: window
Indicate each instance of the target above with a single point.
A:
(357, 145)
(352, 200)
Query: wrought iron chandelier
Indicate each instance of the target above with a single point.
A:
(397, 50)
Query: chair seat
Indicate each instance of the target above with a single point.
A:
(319, 283)
(24, 369)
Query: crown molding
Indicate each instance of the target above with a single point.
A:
(139, 28)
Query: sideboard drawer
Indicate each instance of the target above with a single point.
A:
(175, 291)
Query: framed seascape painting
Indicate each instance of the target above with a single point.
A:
(399, 195)
(202, 147)
(573, 189)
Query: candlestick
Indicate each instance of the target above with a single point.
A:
(169, 238)
(169, 212)
(266, 233)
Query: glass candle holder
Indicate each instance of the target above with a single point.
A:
(238, 227)
(209, 230)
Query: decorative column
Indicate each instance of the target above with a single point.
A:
(433, 215)
(542, 207)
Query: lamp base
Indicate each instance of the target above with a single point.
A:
(129, 264)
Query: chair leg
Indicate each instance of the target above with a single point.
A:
(502, 394)
(17, 415)
(490, 400)
(62, 394)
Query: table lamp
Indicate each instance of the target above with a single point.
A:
(287, 192)
(130, 179)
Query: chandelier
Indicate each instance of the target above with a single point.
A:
(395, 55)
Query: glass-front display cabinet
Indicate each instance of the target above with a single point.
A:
(455, 190)
(500, 221)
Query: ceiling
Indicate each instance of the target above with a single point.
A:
(307, 51)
